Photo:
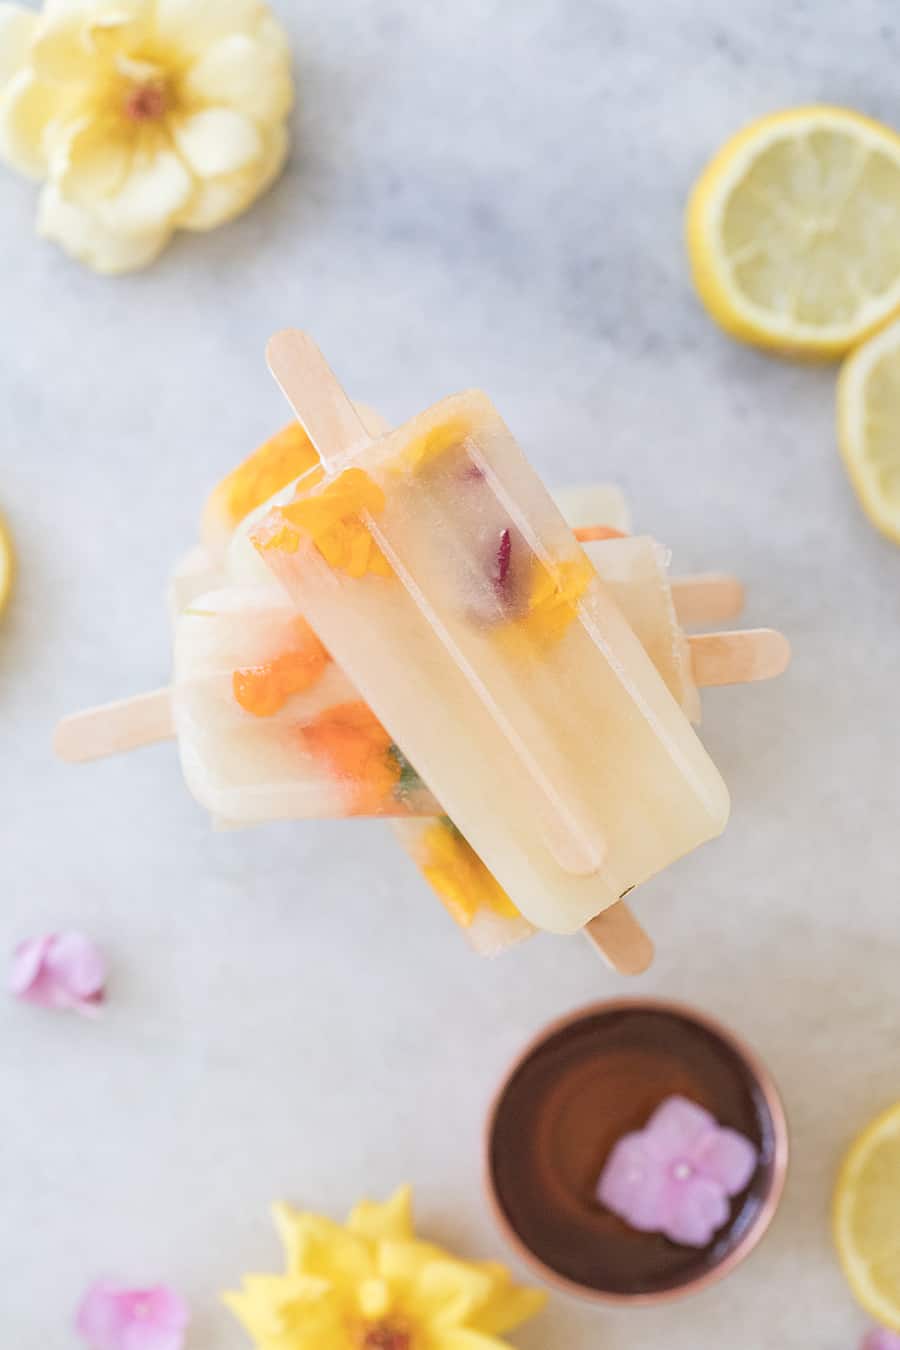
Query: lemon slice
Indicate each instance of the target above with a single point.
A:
(7, 564)
(794, 231)
(867, 1218)
(868, 402)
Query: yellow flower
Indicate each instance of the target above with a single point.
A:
(142, 117)
(553, 599)
(372, 1285)
(428, 446)
(455, 871)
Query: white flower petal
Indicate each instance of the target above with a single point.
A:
(92, 160)
(243, 73)
(218, 141)
(71, 36)
(271, 32)
(17, 27)
(217, 200)
(155, 189)
(27, 108)
(83, 237)
(197, 23)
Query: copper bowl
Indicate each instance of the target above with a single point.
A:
(509, 1119)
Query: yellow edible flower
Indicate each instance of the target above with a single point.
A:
(372, 1285)
(142, 117)
(453, 869)
(430, 445)
(331, 518)
(553, 599)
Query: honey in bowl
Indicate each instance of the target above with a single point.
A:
(585, 1083)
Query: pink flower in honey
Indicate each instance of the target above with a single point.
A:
(676, 1176)
(112, 1317)
(60, 970)
(879, 1338)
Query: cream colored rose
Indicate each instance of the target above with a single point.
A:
(142, 117)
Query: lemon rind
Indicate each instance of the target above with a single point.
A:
(855, 1267)
(722, 298)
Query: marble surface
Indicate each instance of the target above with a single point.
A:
(486, 192)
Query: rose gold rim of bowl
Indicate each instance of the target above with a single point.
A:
(754, 1234)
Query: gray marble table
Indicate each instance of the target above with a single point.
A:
(488, 192)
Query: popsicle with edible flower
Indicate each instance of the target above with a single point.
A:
(435, 568)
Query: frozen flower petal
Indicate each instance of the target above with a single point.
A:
(218, 141)
(87, 239)
(246, 74)
(59, 971)
(634, 1185)
(726, 1157)
(113, 1317)
(676, 1127)
(697, 1211)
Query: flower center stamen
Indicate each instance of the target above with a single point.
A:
(146, 102)
(386, 1337)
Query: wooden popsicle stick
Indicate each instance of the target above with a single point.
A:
(115, 727)
(709, 597)
(620, 940)
(311, 388)
(739, 658)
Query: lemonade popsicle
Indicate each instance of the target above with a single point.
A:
(270, 728)
(435, 568)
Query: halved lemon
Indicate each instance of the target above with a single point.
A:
(867, 1218)
(868, 411)
(7, 564)
(793, 231)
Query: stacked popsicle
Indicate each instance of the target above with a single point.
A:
(353, 602)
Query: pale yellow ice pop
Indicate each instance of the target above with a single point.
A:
(435, 568)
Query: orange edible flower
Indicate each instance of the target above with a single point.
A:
(277, 462)
(424, 449)
(331, 518)
(589, 534)
(553, 598)
(264, 690)
(357, 748)
(455, 871)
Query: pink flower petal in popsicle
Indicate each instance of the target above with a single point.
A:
(676, 1176)
(59, 970)
(114, 1317)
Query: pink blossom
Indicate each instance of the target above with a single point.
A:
(60, 970)
(879, 1338)
(112, 1317)
(677, 1174)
